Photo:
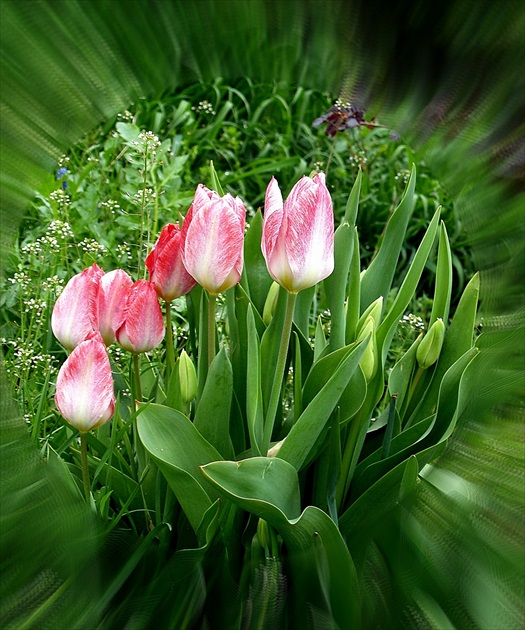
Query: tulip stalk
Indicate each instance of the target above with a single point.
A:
(85, 469)
(279, 371)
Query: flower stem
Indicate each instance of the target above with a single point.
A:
(211, 327)
(170, 351)
(85, 471)
(136, 378)
(279, 371)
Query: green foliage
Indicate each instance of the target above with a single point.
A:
(218, 480)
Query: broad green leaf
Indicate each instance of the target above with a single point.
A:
(307, 429)
(400, 377)
(433, 432)
(389, 324)
(268, 479)
(443, 288)
(301, 533)
(335, 285)
(303, 306)
(212, 417)
(377, 279)
(254, 410)
(130, 133)
(320, 343)
(458, 340)
(179, 450)
(257, 276)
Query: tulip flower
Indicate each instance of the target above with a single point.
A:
(143, 325)
(75, 314)
(429, 349)
(298, 236)
(84, 386)
(165, 266)
(112, 295)
(213, 235)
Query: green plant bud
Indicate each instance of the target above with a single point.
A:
(187, 378)
(430, 347)
(374, 310)
(263, 535)
(269, 305)
(274, 450)
(367, 327)
(368, 361)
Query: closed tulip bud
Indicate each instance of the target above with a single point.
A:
(84, 387)
(298, 236)
(75, 314)
(374, 310)
(143, 325)
(368, 361)
(187, 378)
(213, 236)
(167, 272)
(429, 349)
(270, 304)
(112, 295)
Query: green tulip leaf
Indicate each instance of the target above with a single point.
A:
(336, 283)
(257, 276)
(178, 449)
(353, 301)
(443, 288)
(212, 417)
(309, 426)
(377, 279)
(254, 409)
(269, 488)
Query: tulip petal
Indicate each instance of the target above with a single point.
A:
(75, 314)
(84, 387)
(273, 218)
(164, 262)
(143, 326)
(112, 296)
(213, 248)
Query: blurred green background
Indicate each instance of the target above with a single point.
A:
(450, 78)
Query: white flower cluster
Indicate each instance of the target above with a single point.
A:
(413, 321)
(204, 107)
(59, 196)
(43, 245)
(60, 229)
(110, 205)
(402, 176)
(358, 159)
(90, 246)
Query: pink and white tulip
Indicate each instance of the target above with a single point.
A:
(213, 235)
(112, 295)
(143, 325)
(75, 314)
(298, 236)
(84, 387)
(164, 262)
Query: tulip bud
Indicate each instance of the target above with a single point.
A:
(374, 310)
(270, 304)
(84, 387)
(368, 361)
(143, 325)
(165, 266)
(75, 314)
(298, 236)
(187, 378)
(429, 349)
(213, 237)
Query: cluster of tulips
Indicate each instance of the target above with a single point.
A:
(97, 309)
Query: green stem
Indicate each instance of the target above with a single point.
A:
(170, 350)
(211, 327)
(136, 378)
(85, 470)
(279, 371)
(413, 388)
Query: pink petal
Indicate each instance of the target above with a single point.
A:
(75, 313)
(143, 327)
(84, 387)
(273, 218)
(112, 295)
(213, 245)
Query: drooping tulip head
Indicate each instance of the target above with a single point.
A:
(165, 266)
(75, 314)
(112, 295)
(213, 234)
(143, 325)
(84, 387)
(298, 236)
